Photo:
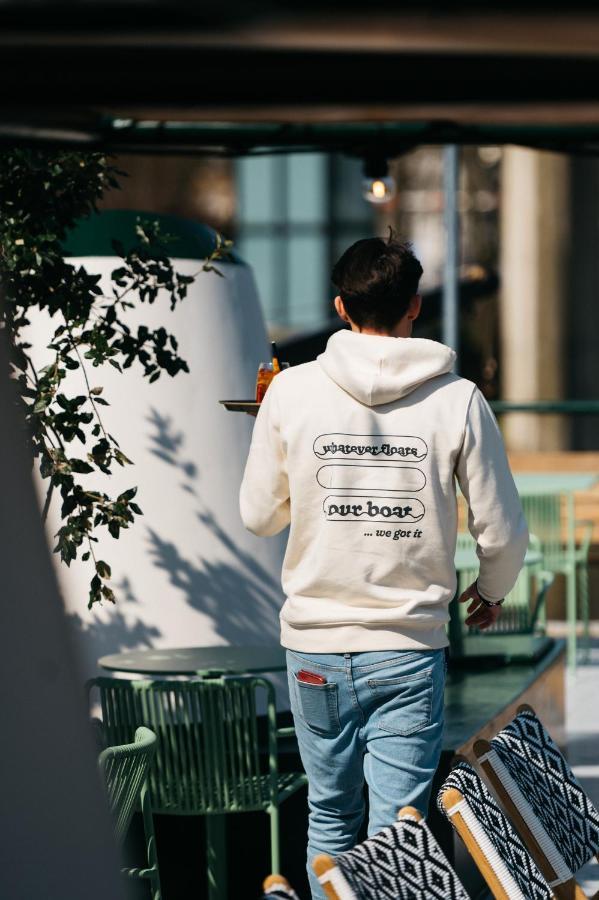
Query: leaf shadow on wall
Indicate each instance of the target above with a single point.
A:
(237, 593)
(118, 631)
(166, 445)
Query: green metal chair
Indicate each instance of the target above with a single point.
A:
(208, 759)
(125, 771)
(546, 509)
(520, 631)
(581, 558)
(524, 606)
(543, 513)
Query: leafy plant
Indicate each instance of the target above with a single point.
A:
(42, 195)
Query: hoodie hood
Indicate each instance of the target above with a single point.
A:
(377, 369)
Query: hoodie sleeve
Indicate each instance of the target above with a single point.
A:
(264, 495)
(495, 517)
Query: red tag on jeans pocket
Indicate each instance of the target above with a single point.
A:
(310, 677)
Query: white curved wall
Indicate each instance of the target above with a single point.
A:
(187, 573)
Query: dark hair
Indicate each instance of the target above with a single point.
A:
(376, 280)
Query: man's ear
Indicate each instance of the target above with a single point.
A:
(340, 307)
(414, 307)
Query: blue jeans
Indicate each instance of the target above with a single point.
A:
(379, 719)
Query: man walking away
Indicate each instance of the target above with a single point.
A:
(359, 452)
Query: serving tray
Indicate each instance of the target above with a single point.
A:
(241, 405)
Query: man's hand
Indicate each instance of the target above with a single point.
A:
(480, 615)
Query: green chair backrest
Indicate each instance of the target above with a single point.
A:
(523, 609)
(208, 757)
(465, 541)
(543, 513)
(125, 771)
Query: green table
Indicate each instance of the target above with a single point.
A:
(223, 660)
(467, 559)
(554, 482)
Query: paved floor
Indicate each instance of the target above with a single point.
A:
(582, 724)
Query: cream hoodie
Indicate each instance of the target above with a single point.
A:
(359, 452)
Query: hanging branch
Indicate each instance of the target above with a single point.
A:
(42, 195)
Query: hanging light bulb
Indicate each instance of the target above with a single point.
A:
(377, 185)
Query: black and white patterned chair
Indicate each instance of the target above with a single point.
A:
(501, 857)
(535, 784)
(276, 887)
(402, 862)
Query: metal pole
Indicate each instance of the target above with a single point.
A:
(452, 247)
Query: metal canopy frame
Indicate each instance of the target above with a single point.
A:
(128, 134)
(173, 78)
(167, 76)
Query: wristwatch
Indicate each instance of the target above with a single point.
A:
(484, 600)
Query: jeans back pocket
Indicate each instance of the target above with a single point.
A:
(405, 702)
(317, 705)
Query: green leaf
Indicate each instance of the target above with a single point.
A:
(107, 593)
(121, 458)
(78, 465)
(103, 569)
(43, 193)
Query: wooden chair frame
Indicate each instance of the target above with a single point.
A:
(277, 886)
(450, 800)
(332, 880)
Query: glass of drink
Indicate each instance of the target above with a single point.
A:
(263, 379)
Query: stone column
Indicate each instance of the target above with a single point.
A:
(534, 247)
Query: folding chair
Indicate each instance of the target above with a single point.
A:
(501, 857)
(275, 887)
(555, 818)
(402, 862)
